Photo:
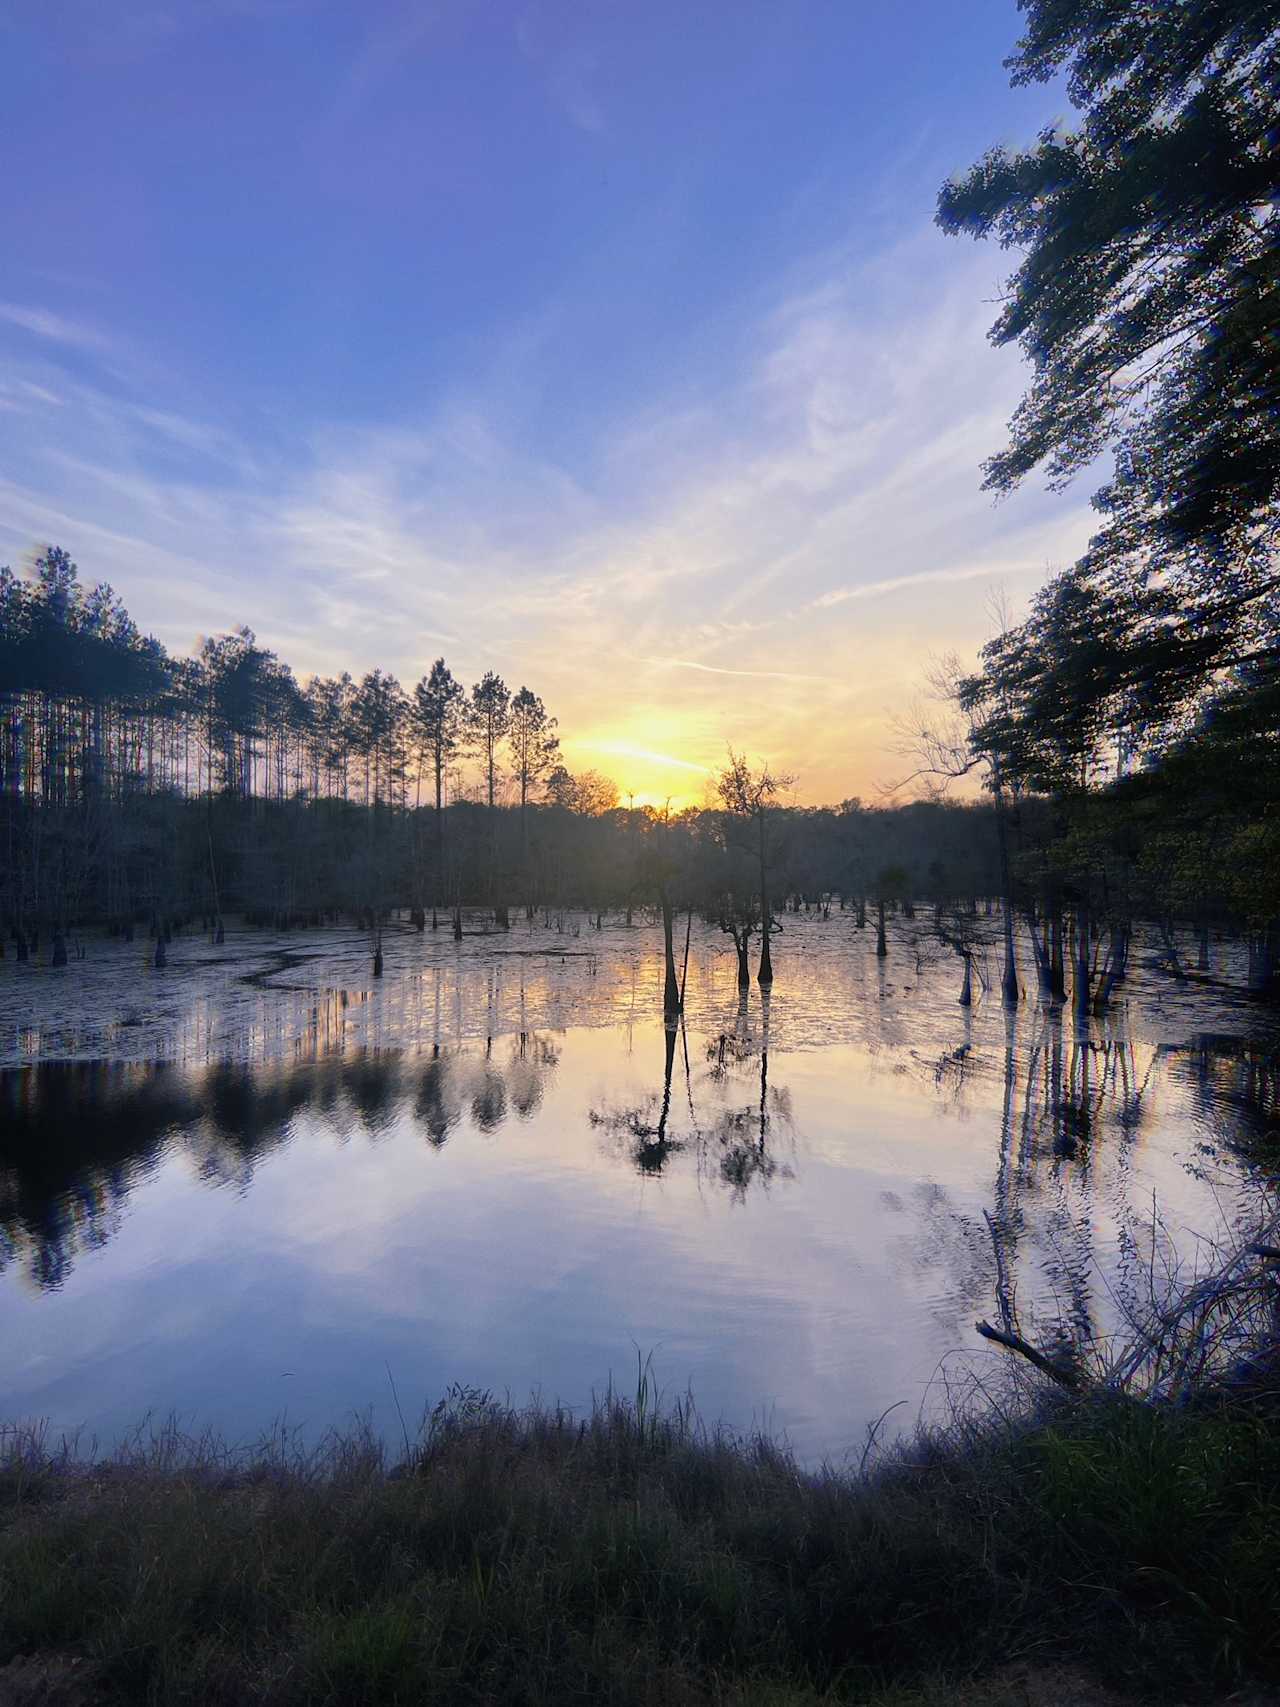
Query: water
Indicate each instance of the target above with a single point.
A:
(260, 1185)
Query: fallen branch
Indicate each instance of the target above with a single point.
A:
(1064, 1377)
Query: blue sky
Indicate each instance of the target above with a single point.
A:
(607, 344)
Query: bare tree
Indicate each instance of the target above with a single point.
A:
(747, 795)
(947, 744)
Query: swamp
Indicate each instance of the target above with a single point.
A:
(259, 1186)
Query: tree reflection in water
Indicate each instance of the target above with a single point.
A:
(79, 1137)
(1065, 1083)
(731, 1143)
(1070, 1105)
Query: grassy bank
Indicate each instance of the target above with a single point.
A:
(632, 1557)
(1119, 1517)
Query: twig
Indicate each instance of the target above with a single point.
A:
(873, 1430)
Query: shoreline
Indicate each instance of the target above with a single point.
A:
(1044, 1546)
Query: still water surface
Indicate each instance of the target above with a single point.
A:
(249, 1187)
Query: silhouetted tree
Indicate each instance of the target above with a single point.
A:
(1147, 297)
(534, 744)
(488, 720)
(748, 795)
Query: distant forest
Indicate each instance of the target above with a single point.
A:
(142, 790)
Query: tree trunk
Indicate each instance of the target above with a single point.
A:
(1057, 972)
(1113, 973)
(765, 974)
(671, 984)
(1080, 991)
(1262, 960)
(1040, 949)
(1009, 976)
(882, 947)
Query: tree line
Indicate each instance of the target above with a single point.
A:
(93, 709)
(140, 787)
(143, 790)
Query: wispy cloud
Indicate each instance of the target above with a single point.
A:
(926, 577)
(721, 670)
(628, 750)
(42, 323)
(754, 548)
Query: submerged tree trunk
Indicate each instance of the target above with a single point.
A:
(1263, 947)
(1080, 989)
(671, 984)
(744, 964)
(1057, 971)
(1040, 949)
(765, 974)
(1009, 976)
(1171, 949)
(1116, 966)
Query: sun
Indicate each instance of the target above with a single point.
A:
(650, 769)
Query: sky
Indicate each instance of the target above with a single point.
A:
(608, 344)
